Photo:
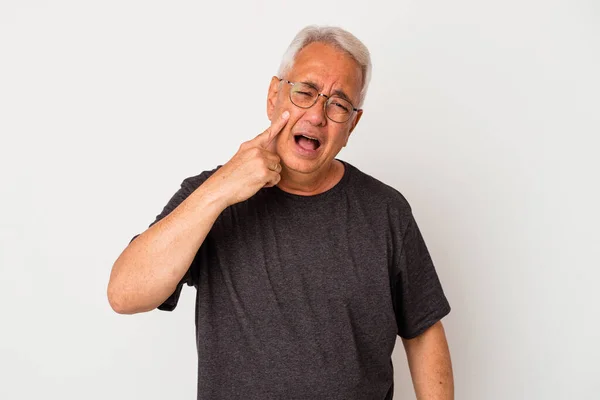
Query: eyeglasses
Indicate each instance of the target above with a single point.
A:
(336, 108)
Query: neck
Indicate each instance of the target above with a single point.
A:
(311, 184)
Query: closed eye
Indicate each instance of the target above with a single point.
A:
(341, 107)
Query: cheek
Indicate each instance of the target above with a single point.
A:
(282, 104)
(296, 120)
(341, 136)
(284, 135)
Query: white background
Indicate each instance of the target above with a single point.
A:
(485, 115)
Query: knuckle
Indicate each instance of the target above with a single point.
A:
(244, 145)
(264, 174)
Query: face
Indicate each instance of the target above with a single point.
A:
(331, 71)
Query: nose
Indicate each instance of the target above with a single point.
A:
(316, 114)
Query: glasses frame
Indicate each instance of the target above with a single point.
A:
(328, 98)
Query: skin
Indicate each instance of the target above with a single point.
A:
(331, 69)
(430, 364)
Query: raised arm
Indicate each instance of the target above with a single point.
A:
(149, 269)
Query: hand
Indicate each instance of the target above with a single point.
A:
(254, 166)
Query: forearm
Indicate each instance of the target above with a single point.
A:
(149, 269)
(430, 364)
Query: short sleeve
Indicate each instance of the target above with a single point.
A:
(419, 300)
(188, 186)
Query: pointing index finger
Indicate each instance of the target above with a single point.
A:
(272, 131)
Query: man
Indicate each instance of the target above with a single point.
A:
(306, 268)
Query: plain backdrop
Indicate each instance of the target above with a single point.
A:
(485, 115)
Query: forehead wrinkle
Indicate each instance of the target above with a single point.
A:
(312, 84)
(321, 63)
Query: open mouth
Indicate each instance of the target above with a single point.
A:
(307, 142)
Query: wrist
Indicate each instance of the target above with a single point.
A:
(212, 197)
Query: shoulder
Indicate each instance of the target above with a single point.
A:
(378, 193)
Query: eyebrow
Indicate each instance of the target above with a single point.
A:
(338, 92)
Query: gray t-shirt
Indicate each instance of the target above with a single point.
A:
(301, 297)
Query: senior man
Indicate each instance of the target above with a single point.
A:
(306, 268)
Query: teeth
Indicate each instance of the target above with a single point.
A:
(308, 137)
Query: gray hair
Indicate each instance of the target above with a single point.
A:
(336, 37)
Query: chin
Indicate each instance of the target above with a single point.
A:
(300, 165)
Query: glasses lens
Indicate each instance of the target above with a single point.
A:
(338, 109)
(303, 95)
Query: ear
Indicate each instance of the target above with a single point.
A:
(359, 114)
(272, 97)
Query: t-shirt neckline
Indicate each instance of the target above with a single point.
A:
(320, 196)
